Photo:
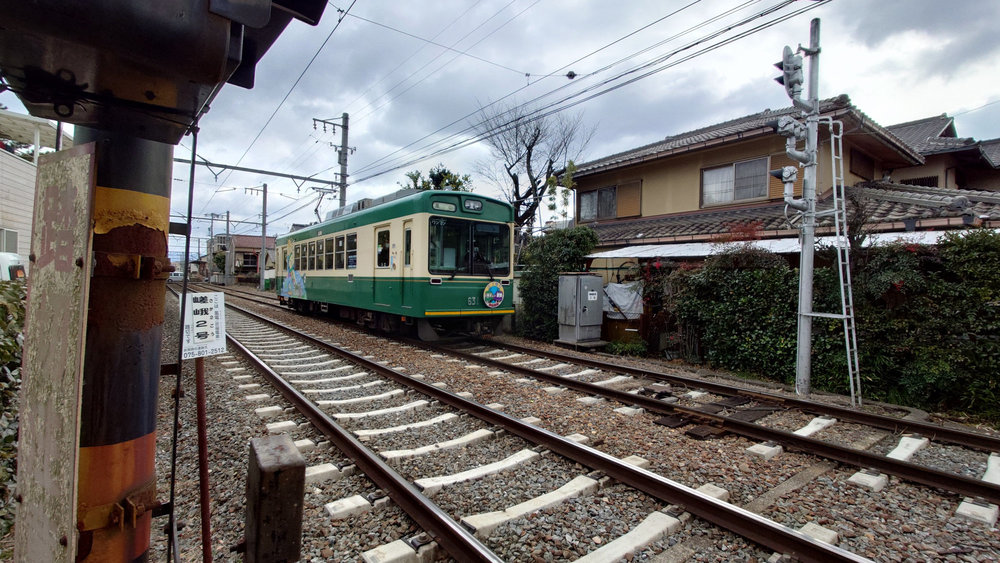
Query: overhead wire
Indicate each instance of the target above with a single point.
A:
(547, 109)
(592, 53)
(413, 54)
(292, 88)
(438, 56)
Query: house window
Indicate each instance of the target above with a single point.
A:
(329, 254)
(927, 181)
(599, 204)
(862, 165)
(8, 240)
(352, 251)
(382, 249)
(739, 181)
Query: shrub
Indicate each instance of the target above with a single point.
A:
(544, 258)
(631, 347)
(926, 317)
(12, 299)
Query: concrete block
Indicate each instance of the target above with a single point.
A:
(282, 427)
(873, 482)
(629, 411)
(815, 425)
(322, 472)
(269, 412)
(554, 390)
(258, 398)
(907, 447)
(465, 395)
(248, 386)
(718, 493)
(820, 533)
(765, 451)
(242, 377)
(590, 401)
(346, 507)
(654, 527)
(531, 420)
(985, 513)
(578, 438)
(305, 445)
(637, 461)
(694, 394)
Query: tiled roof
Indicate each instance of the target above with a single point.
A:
(991, 150)
(743, 127)
(918, 134)
(889, 203)
(250, 241)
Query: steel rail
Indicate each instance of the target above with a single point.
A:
(754, 527)
(450, 535)
(933, 431)
(910, 471)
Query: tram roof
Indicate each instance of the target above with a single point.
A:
(407, 202)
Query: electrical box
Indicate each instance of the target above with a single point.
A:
(581, 309)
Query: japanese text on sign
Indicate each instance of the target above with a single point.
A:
(204, 326)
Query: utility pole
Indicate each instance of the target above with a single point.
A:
(792, 129)
(342, 151)
(211, 247)
(227, 275)
(261, 262)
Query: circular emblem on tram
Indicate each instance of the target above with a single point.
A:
(493, 295)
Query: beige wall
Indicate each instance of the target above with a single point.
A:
(17, 198)
(673, 184)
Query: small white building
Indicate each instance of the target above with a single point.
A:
(17, 177)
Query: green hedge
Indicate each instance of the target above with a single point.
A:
(928, 330)
(544, 258)
(12, 298)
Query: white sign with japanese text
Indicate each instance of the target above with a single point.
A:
(204, 325)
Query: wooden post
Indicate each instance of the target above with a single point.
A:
(275, 488)
(52, 368)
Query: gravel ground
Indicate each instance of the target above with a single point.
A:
(904, 522)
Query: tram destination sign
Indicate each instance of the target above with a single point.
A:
(204, 325)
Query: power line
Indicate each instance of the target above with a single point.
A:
(554, 107)
(428, 63)
(373, 164)
(296, 83)
(407, 59)
(436, 44)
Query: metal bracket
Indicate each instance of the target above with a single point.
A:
(119, 514)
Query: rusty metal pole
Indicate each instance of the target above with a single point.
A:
(117, 480)
(206, 508)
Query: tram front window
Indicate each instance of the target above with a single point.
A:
(461, 247)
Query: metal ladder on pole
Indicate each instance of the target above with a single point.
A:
(843, 247)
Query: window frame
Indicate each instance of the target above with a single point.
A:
(383, 254)
(763, 187)
(351, 250)
(597, 195)
(312, 256)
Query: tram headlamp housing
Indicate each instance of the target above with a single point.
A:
(473, 205)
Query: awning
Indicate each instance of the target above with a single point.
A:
(777, 246)
(22, 128)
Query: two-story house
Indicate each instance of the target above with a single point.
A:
(950, 161)
(676, 197)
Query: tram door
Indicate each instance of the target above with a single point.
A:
(386, 280)
(406, 267)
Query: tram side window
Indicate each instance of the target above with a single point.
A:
(339, 256)
(407, 246)
(352, 251)
(312, 255)
(319, 254)
(382, 249)
(298, 258)
(329, 253)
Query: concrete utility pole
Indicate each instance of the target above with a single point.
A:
(261, 262)
(342, 151)
(791, 79)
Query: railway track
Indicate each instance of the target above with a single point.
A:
(492, 382)
(708, 409)
(316, 377)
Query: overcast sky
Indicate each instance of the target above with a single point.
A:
(898, 60)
